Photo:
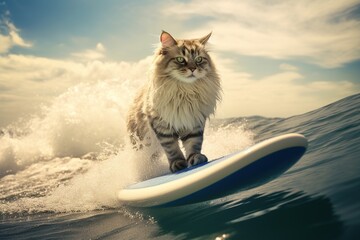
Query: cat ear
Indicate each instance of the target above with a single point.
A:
(204, 40)
(166, 39)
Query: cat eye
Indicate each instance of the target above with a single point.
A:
(198, 59)
(180, 60)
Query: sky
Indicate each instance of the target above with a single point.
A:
(275, 58)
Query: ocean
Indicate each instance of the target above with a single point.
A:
(60, 170)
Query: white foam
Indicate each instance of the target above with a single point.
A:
(225, 139)
(75, 124)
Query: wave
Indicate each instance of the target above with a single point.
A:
(75, 155)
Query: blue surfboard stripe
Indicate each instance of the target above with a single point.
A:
(253, 175)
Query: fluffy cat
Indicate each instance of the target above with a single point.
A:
(181, 93)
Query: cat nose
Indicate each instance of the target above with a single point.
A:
(192, 69)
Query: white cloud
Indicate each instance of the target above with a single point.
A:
(5, 43)
(100, 47)
(92, 54)
(15, 37)
(288, 67)
(10, 37)
(281, 94)
(320, 31)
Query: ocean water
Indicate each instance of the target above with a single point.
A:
(60, 171)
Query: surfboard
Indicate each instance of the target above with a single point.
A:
(235, 172)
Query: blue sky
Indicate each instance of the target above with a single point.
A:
(58, 28)
(276, 58)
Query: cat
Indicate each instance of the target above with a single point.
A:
(182, 92)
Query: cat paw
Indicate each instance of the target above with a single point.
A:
(196, 158)
(177, 165)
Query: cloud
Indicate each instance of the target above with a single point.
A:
(288, 67)
(100, 47)
(15, 37)
(321, 32)
(282, 94)
(92, 54)
(10, 37)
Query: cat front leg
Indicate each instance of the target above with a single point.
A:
(173, 152)
(169, 142)
(176, 158)
(192, 143)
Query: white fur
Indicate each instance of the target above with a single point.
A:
(183, 105)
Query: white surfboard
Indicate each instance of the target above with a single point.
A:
(242, 170)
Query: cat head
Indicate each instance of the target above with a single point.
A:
(183, 60)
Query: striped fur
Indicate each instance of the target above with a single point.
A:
(181, 93)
